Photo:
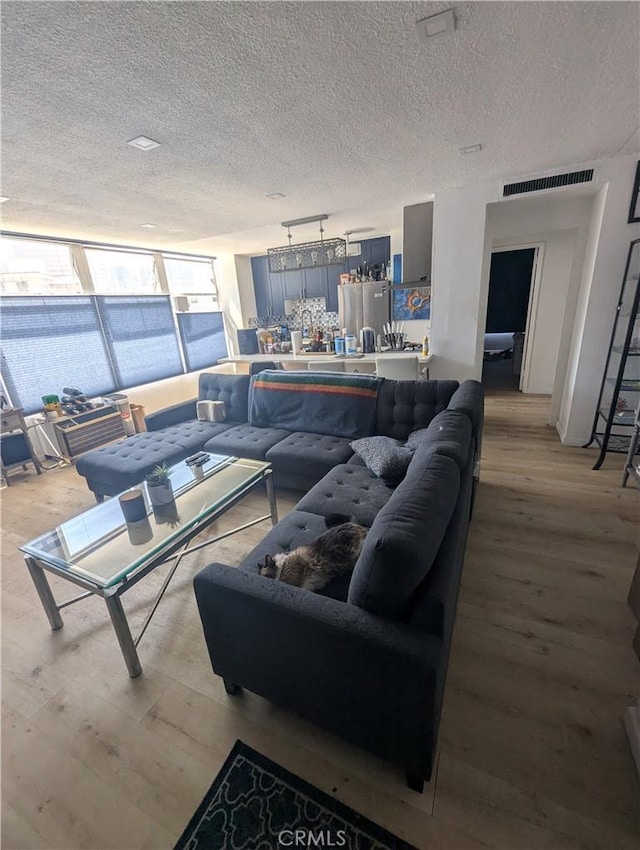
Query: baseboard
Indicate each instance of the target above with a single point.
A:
(632, 725)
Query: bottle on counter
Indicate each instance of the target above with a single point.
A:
(425, 345)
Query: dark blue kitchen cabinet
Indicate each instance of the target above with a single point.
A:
(333, 281)
(373, 252)
(292, 285)
(315, 282)
(261, 285)
(376, 252)
(273, 289)
(277, 294)
(268, 288)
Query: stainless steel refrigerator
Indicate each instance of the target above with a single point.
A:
(362, 305)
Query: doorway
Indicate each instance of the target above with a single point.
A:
(510, 295)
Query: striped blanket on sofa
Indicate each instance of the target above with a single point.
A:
(341, 405)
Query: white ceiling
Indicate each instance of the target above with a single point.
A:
(339, 106)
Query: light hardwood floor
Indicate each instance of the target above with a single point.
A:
(532, 749)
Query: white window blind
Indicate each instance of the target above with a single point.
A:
(49, 343)
(203, 339)
(141, 338)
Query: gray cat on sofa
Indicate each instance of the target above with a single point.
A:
(329, 556)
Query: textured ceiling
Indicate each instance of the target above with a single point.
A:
(337, 105)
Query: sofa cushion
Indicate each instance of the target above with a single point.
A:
(298, 528)
(404, 406)
(246, 441)
(355, 460)
(233, 390)
(330, 403)
(448, 434)
(349, 490)
(404, 539)
(383, 456)
(125, 463)
(193, 434)
(313, 454)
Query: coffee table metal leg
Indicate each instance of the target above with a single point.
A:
(123, 633)
(271, 495)
(44, 592)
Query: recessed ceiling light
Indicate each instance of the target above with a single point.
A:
(470, 149)
(143, 143)
(275, 195)
(149, 226)
(439, 24)
(4, 198)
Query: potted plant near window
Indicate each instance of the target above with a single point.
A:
(159, 485)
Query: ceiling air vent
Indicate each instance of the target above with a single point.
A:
(553, 182)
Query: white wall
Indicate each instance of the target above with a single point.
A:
(561, 227)
(457, 272)
(461, 253)
(606, 255)
(163, 393)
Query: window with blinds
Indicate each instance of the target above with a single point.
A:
(203, 339)
(141, 338)
(52, 342)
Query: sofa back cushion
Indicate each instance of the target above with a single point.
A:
(404, 406)
(328, 403)
(469, 399)
(233, 390)
(404, 539)
(448, 433)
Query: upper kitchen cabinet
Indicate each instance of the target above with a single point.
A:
(373, 252)
(293, 285)
(261, 285)
(333, 281)
(315, 282)
(376, 252)
(268, 288)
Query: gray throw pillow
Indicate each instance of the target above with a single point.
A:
(383, 456)
(416, 437)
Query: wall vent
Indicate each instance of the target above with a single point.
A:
(552, 182)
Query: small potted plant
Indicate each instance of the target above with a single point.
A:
(159, 485)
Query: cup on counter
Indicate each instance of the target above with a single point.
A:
(296, 341)
(339, 342)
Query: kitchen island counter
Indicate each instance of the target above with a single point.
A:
(359, 363)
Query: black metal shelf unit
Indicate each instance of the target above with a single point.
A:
(632, 463)
(620, 390)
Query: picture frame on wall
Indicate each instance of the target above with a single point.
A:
(634, 209)
(410, 302)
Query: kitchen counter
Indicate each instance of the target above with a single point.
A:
(319, 356)
(361, 363)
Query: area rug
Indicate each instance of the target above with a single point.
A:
(254, 804)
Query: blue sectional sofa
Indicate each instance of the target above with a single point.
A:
(367, 657)
(299, 458)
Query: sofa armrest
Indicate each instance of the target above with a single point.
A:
(172, 415)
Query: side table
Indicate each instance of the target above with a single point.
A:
(15, 445)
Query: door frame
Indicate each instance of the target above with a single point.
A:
(532, 307)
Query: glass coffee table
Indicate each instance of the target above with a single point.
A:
(101, 553)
